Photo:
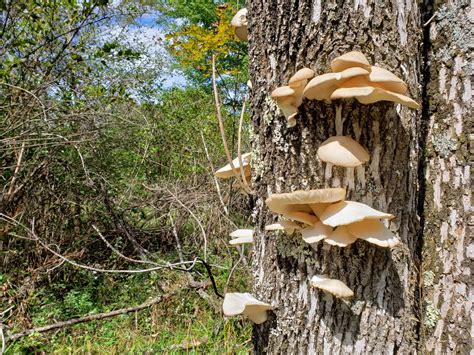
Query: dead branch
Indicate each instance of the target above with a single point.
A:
(89, 318)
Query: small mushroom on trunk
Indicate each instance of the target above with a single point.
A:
(335, 287)
(290, 97)
(343, 151)
(246, 305)
(241, 236)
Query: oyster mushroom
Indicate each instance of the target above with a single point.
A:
(298, 205)
(227, 171)
(247, 305)
(239, 22)
(290, 97)
(241, 236)
(343, 151)
(335, 287)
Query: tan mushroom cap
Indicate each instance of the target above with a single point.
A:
(347, 212)
(300, 77)
(387, 80)
(322, 86)
(350, 60)
(369, 94)
(316, 233)
(239, 22)
(374, 232)
(296, 205)
(247, 305)
(227, 172)
(287, 226)
(343, 151)
(282, 91)
(340, 237)
(335, 287)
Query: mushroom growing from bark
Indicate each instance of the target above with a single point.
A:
(227, 171)
(290, 97)
(239, 22)
(343, 151)
(355, 220)
(335, 287)
(303, 206)
(247, 305)
(287, 226)
(241, 236)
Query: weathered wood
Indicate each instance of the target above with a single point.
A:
(382, 318)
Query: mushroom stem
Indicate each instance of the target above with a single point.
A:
(338, 122)
(245, 185)
(219, 118)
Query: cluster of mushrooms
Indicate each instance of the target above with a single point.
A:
(321, 214)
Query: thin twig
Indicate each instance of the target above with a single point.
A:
(213, 176)
(176, 237)
(17, 169)
(245, 185)
(203, 231)
(219, 118)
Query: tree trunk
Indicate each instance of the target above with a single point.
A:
(448, 248)
(385, 315)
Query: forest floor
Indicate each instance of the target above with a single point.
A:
(188, 321)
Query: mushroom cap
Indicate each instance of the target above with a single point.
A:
(296, 205)
(241, 236)
(369, 94)
(347, 212)
(333, 286)
(245, 304)
(387, 80)
(374, 232)
(322, 86)
(287, 226)
(340, 237)
(241, 233)
(350, 60)
(282, 91)
(316, 233)
(227, 172)
(239, 22)
(301, 77)
(343, 151)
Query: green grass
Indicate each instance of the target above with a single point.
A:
(171, 326)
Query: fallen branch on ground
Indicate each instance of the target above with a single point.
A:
(89, 318)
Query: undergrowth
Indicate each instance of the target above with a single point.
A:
(183, 323)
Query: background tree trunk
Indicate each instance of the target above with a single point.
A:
(385, 315)
(448, 248)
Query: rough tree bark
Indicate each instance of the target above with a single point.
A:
(448, 250)
(386, 314)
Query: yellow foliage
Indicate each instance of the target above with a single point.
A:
(194, 45)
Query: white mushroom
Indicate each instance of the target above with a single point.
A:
(247, 305)
(340, 237)
(343, 151)
(347, 212)
(287, 226)
(350, 60)
(316, 233)
(289, 98)
(335, 287)
(227, 172)
(241, 236)
(297, 205)
(374, 232)
(239, 22)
